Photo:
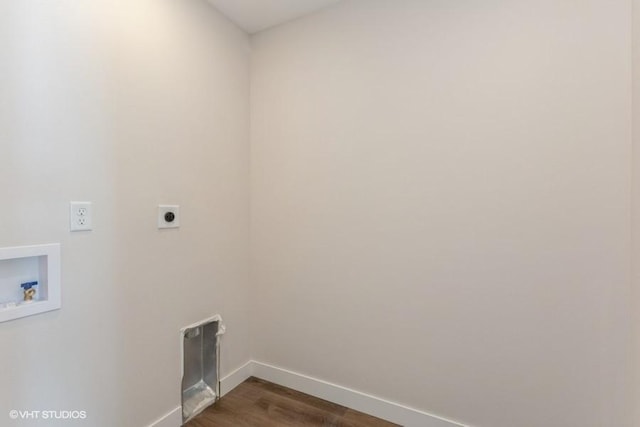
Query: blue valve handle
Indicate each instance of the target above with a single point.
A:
(29, 285)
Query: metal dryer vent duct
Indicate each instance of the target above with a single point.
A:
(200, 345)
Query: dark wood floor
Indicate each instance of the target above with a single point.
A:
(257, 403)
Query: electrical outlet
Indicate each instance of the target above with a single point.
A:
(80, 216)
(168, 216)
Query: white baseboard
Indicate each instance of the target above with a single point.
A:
(384, 409)
(228, 383)
(172, 419)
(362, 402)
(235, 378)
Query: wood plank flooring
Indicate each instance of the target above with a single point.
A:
(258, 403)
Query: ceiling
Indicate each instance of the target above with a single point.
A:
(258, 15)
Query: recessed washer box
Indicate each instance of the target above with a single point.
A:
(29, 264)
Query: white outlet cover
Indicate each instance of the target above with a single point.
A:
(163, 210)
(80, 216)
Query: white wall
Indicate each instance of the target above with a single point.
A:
(127, 104)
(635, 297)
(441, 206)
(440, 212)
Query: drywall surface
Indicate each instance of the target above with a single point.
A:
(636, 202)
(258, 15)
(441, 206)
(128, 104)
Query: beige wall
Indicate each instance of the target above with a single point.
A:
(636, 201)
(440, 215)
(127, 104)
(441, 206)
